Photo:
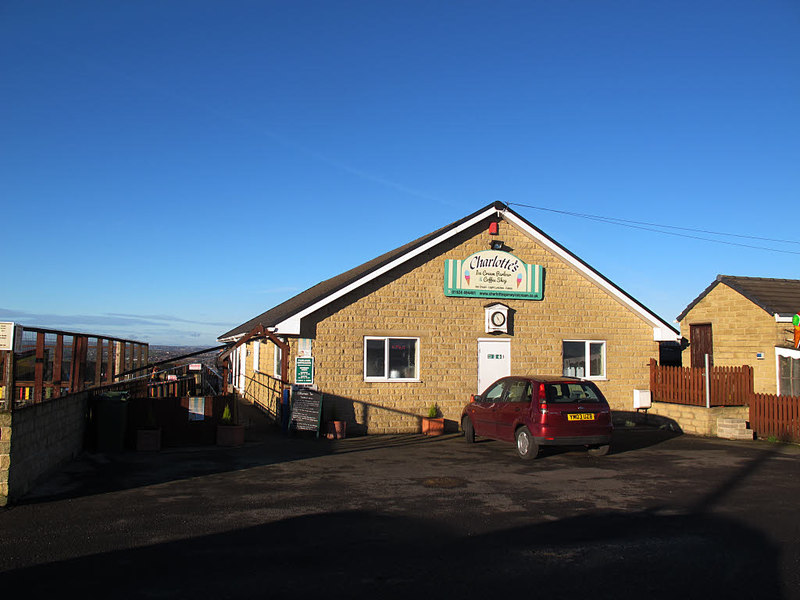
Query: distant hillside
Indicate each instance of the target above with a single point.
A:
(159, 353)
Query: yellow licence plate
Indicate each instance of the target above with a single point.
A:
(580, 417)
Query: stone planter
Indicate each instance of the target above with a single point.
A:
(230, 435)
(433, 426)
(336, 430)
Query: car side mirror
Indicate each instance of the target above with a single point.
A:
(476, 397)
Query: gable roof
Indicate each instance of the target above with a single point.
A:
(779, 297)
(285, 318)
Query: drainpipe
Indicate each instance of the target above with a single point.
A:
(708, 385)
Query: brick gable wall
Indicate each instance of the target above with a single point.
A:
(410, 302)
(739, 330)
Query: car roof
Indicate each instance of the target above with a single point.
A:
(546, 378)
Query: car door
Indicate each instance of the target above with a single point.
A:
(483, 410)
(516, 400)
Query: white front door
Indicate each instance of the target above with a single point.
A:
(242, 366)
(494, 361)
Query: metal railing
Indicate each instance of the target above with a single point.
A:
(46, 364)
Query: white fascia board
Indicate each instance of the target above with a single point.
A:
(291, 326)
(782, 318)
(229, 339)
(790, 352)
(662, 332)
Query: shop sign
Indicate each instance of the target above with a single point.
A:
(493, 274)
(304, 370)
(7, 335)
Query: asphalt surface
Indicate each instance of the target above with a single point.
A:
(663, 516)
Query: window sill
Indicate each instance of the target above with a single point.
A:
(376, 380)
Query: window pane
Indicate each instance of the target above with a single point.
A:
(402, 359)
(784, 373)
(574, 359)
(519, 391)
(596, 360)
(493, 393)
(796, 377)
(376, 363)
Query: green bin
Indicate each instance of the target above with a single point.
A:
(111, 420)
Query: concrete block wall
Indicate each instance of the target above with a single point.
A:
(5, 455)
(699, 420)
(740, 329)
(37, 439)
(410, 302)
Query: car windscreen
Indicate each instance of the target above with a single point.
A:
(572, 391)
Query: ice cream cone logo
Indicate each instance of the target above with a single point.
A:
(466, 276)
(519, 279)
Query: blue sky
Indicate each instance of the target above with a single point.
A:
(169, 170)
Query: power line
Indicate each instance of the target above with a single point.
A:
(650, 227)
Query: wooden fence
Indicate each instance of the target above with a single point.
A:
(776, 416)
(729, 386)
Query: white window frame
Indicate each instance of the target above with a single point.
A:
(385, 377)
(788, 353)
(256, 357)
(276, 360)
(586, 358)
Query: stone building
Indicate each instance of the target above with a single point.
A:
(443, 316)
(746, 321)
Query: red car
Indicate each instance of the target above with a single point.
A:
(540, 411)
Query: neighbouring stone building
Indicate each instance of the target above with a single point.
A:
(445, 315)
(746, 321)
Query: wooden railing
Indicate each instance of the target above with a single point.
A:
(729, 386)
(776, 416)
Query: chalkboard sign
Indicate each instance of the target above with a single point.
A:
(306, 410)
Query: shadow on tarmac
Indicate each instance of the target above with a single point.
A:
(362, 554)
(100, 473)
(654, 554)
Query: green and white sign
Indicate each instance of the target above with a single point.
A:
(493, 274)
(304, 370)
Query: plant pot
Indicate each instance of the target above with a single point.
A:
(230, 435)
(148, 440)
(433, 426)
(336, 430)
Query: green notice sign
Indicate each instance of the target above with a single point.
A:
(304, 370)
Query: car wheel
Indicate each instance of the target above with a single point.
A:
(527, 448)
(599, 450)
(469, 430)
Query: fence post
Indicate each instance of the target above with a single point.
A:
(708, 385)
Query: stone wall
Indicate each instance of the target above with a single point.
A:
(36, 439)
(410, 302)
(5, 455)
(740, 329)
(699, 420)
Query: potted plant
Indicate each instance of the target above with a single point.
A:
(433, 424)
(336, 429)
(148, 436)
(228, 432)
